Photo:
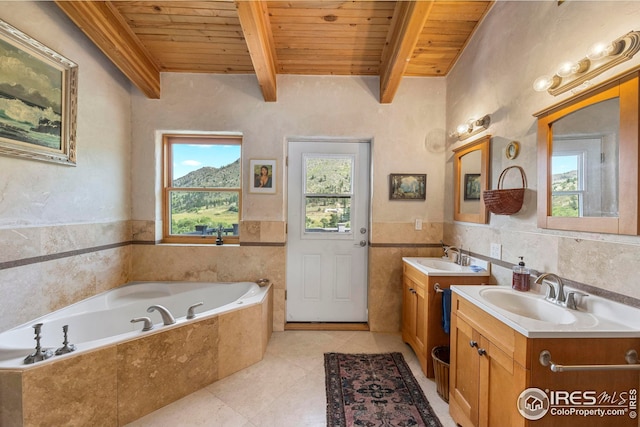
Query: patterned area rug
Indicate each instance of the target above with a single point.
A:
(374, 390)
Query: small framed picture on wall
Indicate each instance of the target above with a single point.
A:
(262, 176)
(407, 186)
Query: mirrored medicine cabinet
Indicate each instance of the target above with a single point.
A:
(471, 178)
(588, 160)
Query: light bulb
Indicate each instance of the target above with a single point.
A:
(600, 50)
(462, 128)
(567, 68)
(543, 83)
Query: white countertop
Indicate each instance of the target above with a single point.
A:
(444, 267)
(596, 318)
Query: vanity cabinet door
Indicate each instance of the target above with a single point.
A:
(464, 374)
(501, 382)
(485, 380)
(413, 316)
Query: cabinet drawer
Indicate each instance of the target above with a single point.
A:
(501, 336)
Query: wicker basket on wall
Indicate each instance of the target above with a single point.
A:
(505, 201)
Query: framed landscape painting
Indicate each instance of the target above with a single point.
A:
(404, 186)
(38, 96)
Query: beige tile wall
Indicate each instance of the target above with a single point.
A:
(63, 281)
(45, 268)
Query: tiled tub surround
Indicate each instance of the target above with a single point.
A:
(120, 382)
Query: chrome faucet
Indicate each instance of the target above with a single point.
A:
(461, 258)
(453, 249)
(147, 323)
(552, 294)
(167, 317)
(559, 297)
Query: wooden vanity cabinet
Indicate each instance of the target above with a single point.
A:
(486, 368)
(491, 364)
(422, 311)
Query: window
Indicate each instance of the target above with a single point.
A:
(328, 190)
(567, 184)
(202, 197)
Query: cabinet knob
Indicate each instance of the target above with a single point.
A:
(412, 290)
(482, 351)
(473, 343)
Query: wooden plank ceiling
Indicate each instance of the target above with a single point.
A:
(390, 39)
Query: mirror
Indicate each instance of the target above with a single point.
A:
(588, 161)
(471, 178)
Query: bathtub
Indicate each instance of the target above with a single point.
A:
(116, 361)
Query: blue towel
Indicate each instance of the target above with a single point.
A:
(446, 310)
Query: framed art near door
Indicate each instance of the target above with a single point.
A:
(263, 176)
(404, 186)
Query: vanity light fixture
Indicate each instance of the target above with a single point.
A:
(575, 76)
(471, 127)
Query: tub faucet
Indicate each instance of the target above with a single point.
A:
(147, 323)
(191, 314)
(167, 317)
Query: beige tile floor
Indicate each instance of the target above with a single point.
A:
(286, 388)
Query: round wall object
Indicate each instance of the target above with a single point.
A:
(512, 150)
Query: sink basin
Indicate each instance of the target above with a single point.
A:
(439, 264)
(445, 267)
(528, 306)
(531, 315)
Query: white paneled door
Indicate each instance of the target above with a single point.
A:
(328, 220)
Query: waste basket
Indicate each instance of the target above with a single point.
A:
(441, 370)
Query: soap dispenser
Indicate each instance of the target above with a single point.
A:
(521, 275)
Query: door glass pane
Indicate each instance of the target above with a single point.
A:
(203, 212)
(328, 214)
(328, 175)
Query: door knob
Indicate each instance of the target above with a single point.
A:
(363, 243)
(363, 230)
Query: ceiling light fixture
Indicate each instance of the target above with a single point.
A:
(576, 76)
(471, 127)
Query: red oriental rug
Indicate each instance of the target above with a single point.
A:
(374, 390)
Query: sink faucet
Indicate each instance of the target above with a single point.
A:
(461, 258)
(567, 300)
(167, 317)
(552, 294)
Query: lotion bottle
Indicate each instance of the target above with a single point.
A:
(521, 274)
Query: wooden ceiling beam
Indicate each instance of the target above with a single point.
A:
(104, 25)
(409, 18)
(254, 20)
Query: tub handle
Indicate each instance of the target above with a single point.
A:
(191, 310)
(147, 323)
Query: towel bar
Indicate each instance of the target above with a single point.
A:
(631, 356)
(436, 288)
